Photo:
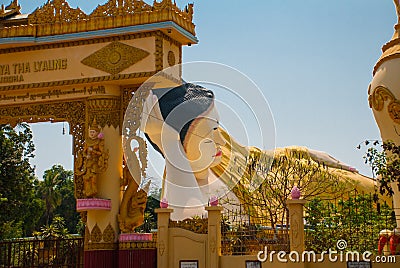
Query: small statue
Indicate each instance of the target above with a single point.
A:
(189, 10)
(384, 236)
(133, 204)
(95, 160)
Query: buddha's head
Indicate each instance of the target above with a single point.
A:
(191, 117)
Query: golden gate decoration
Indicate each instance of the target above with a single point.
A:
(60, 64)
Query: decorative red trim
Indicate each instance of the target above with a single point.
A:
(136, 237)
(93, 204)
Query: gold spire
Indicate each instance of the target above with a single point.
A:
(391, 49)
(12, 9)
(13, 5)
(94, 124)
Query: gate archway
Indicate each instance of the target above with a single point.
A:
(60, 64)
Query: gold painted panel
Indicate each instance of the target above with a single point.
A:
(115, 57)
(66, 65)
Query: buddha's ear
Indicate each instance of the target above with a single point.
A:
(152, 119)
(156, 108)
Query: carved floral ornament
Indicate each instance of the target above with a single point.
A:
(199, 226)
(115, 57)
(59, 9)
(98, 240)
(377, 100)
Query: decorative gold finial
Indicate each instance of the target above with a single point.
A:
(13, 5)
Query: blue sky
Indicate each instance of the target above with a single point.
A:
(312, 59)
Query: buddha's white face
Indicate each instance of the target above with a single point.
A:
(203, 142)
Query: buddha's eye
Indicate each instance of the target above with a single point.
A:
(208, 141)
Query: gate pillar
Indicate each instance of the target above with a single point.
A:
(101, 233)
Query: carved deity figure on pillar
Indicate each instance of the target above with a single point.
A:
(93, 161)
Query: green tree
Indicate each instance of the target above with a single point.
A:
(57, 191)
(153, 202)
(67, 207)
(150, 217)
(55, 230)
(47, 189)
(19, 207)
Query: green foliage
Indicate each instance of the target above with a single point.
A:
(150, 217)
(385, 163)
(80, 227)
(25, 202)
(67, 207)
(153, 202)
(56, 230)
(17, 179)
(148, 224)
(11, 229)
(57, 191)
(356, 219)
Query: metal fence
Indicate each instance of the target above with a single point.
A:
(34, 253)
(246, 234)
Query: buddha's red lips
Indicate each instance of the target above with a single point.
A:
(219, 153)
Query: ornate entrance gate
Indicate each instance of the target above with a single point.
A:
(60, 64)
